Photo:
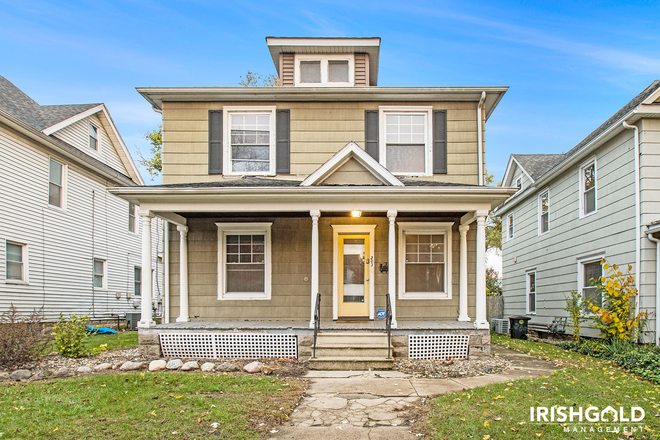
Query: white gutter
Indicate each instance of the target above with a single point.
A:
(638, 220)
(657, 286)
(480, 137)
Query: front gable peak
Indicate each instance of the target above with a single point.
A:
(351, 166)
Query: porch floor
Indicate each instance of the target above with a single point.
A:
(326, 325)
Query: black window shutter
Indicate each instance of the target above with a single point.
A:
(439, 141)
(215, 141)
(283, 144)
(371, 132)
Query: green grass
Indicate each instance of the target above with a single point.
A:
(117, 341)
(503, 410)
(146, 406)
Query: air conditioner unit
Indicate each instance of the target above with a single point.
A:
(500, 326)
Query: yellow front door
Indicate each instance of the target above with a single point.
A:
(353, 276)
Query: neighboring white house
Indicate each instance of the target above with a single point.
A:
(573, 209)
(66, 244)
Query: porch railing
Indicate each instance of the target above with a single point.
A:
(317, 321)
(388, 324)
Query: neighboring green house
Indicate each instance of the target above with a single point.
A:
(576, 208)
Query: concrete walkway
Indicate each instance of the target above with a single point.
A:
(370, 405)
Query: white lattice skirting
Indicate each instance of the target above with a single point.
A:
(438, 346)
(224, 345)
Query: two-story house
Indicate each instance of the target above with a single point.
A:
(66, 244)
(369, 200)
(574, 209)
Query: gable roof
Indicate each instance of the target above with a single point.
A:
(542, 166)
(352, 150)
(51, 118)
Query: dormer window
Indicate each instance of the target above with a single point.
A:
(324, 70)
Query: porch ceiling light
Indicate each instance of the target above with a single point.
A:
(356, 213)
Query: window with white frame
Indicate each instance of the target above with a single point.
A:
(519, 182)
(99, 273)
(93, 137)
(425, 260)
(509, 226)
(244, 271)
(137, 280)
(15, 262)
(531, 292)
(589, 273)
(249, 141)
(132, 224)
(588, 188)
(320, 70)
(405, 147)
(56, 174)
(544, 212)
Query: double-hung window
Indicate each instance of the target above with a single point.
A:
(544, 212)
(588, 188)
(589, 273)
(531, 292)
(250, 141)
(509, 223)
(405, 147)
(15, 262)
(132, 224)
(137, 280)
(99, 273)
(93, 137)
(56, 175)
(244, 271)
(425, 260)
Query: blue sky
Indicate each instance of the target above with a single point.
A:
(569, 65)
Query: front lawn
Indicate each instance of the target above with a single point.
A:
(503, 410)
(146, 405)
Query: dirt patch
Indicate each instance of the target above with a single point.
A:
(417, 418)
(275, 410)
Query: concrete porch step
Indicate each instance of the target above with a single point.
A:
(353, 351)
(351, 364)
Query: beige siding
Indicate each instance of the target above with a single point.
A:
(318, 131)
(351, 173)
(361, 77)
(291, 292)
(287, 69)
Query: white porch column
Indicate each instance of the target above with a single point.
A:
(481, 320)
(463, 269)
(391, 263)
(183, 274)
(145, 319)
(315, 261)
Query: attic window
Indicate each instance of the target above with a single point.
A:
(324, 70)
(93, 137)
(519, 183)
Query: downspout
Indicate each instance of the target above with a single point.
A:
(657, 286)
(638, 220)
(480, 137)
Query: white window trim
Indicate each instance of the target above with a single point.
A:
(540, 212)
(99, 135)
(428, 148)
(65, 172)
(584, 165)
(136, 217)
(105, 273)
(581, 261)
(139, 292)
(519, 179)
(528, 272)
(226, 138)
(324, 58)
(239, 228)
(438, 228)
(24, 256)
(510, 234)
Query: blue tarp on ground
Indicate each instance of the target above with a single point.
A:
(100, 330)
